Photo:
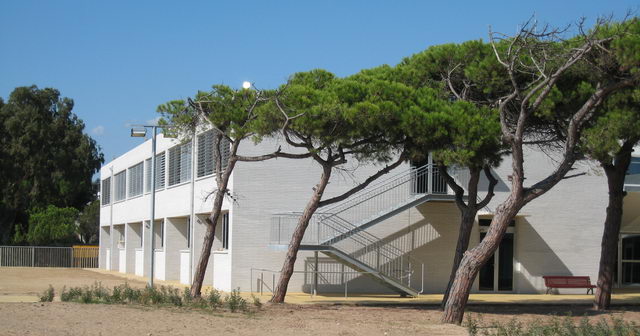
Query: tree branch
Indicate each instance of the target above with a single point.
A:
(363, 184)
(492, 184)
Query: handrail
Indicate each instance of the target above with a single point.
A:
(340, 226)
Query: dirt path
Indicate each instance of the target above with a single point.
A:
(31, 282)
(60, 318)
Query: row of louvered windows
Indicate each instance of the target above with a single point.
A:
(179, 168)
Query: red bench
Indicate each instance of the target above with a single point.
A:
(566, 281)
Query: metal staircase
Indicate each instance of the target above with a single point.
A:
(340, 230)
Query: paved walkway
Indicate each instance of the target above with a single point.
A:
(626, 297)
(15, 288)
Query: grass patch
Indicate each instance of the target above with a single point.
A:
(558, 326)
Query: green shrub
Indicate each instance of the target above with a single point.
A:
(256, 301)
(187, 298)
(130, 295)
(235, 302)
(213, 299)
(47, 295)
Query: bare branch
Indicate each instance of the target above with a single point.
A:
(363, 184)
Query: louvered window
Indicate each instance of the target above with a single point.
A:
(160, 165)
(147, 178)
(180, 164)
(121, 185)
(106, 191)
(135, 179)
(206, 155)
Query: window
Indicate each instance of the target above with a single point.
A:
(121, 186)
(135, 180)
(206, 156)
(147, 172)
(106, 191)
(487, 222)
(225, 231)
(160, 163)
(633, 173)
(180, 164)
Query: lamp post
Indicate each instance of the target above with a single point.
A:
(141, 131)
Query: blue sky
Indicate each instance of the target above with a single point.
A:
(119, 60)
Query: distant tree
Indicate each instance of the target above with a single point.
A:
(235, 116)
(88, 223)
(50, 226)
(45, 157)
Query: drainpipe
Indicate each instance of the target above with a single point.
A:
(192, 219)
(112, 199)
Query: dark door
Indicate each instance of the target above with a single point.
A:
(497, 272)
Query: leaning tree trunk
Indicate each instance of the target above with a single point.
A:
(222, 181)
(466, 225)
(615, 179)
(201, 268)
(475, 258)
(467, 215)
(287, 268)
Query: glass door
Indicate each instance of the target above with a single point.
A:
(497, 274)
(630, 261)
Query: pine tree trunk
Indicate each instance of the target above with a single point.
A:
(475, 258)
(615, 180)
(466, 225)
(201, 268)
(467, 217)
(287, 268)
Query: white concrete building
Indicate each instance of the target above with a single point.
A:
(398, 235)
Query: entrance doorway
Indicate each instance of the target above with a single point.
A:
(497, 273)
(629, 270)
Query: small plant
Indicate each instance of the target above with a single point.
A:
(187, 298)
(235, 302)
(472, 325)
(99, 292)
(47, 295)
(130, 295)
(73, 294)
(86, 295)
(256, 301)
(213, 299)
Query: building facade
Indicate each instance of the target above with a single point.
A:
(398, 235)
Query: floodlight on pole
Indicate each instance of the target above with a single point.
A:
(138, 132)
(246, 85)
(141, 131)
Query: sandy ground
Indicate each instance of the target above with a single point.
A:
(20, 315)
(60, 318)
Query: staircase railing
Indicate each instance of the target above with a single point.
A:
(355, 242)
(341, 226)
(387, 195)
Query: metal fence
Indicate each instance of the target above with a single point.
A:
(39, 256)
